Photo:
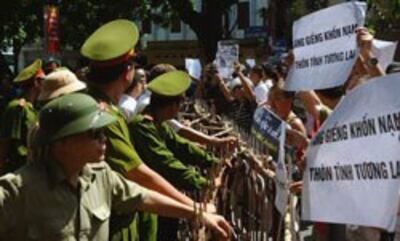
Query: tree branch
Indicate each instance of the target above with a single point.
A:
(186, 12)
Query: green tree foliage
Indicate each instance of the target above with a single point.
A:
(83, 16)
(22, 20)
(21, 23)
(79, 18)
(384, 15)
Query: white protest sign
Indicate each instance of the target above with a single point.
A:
(324, 46)
(384, 51)
(251, 62)
(227, 55)
(193, 66)
(353, 163)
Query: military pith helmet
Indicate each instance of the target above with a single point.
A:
(26, 74)
(174, 83)
(111, 42)
(69, 115)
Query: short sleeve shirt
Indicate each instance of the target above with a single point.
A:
(120, 154)
(128, 106)
(261, 92)
(37, 203)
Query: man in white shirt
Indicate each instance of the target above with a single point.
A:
(132, 101)
(254, 86)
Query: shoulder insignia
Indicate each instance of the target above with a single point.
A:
(22, 102)
(147, 117)
(104, 106)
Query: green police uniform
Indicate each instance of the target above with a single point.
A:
(18, 117)
(166, 152)
(110, 45)
(37, 202)
(121, 155)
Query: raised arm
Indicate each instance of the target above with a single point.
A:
(371, 64)
(247, 87)
(225, 91)
(311, 102)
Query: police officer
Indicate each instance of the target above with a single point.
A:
(162, 148)
(17, 118)
(110, 50)
(68, 195)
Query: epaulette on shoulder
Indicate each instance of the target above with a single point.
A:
(104, 106)
(22, 102)
(147, 118)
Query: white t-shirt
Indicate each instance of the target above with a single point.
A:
(269, 83)
(261, 92)
(128, 106)
(131, 106)
(143, 101)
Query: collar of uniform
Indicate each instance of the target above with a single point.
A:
(87, 176)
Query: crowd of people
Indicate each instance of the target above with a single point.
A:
(99, 154)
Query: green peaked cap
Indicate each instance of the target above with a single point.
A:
(170, 84)
(69, 115)
(28, 72)
(112, 40)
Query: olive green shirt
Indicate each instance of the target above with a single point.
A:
(120, 155)
(37, 203)
(169, 154)
(17, 118)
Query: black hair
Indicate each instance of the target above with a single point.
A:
(332, 93)
(108, 74)
(258, 70)
(160, 102)
(279, 87)
(160, 69)
(271, 72)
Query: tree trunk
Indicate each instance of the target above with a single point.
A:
(208, 40)
(207, 25)
(211, 30)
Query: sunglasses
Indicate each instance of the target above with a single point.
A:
(97, 134)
